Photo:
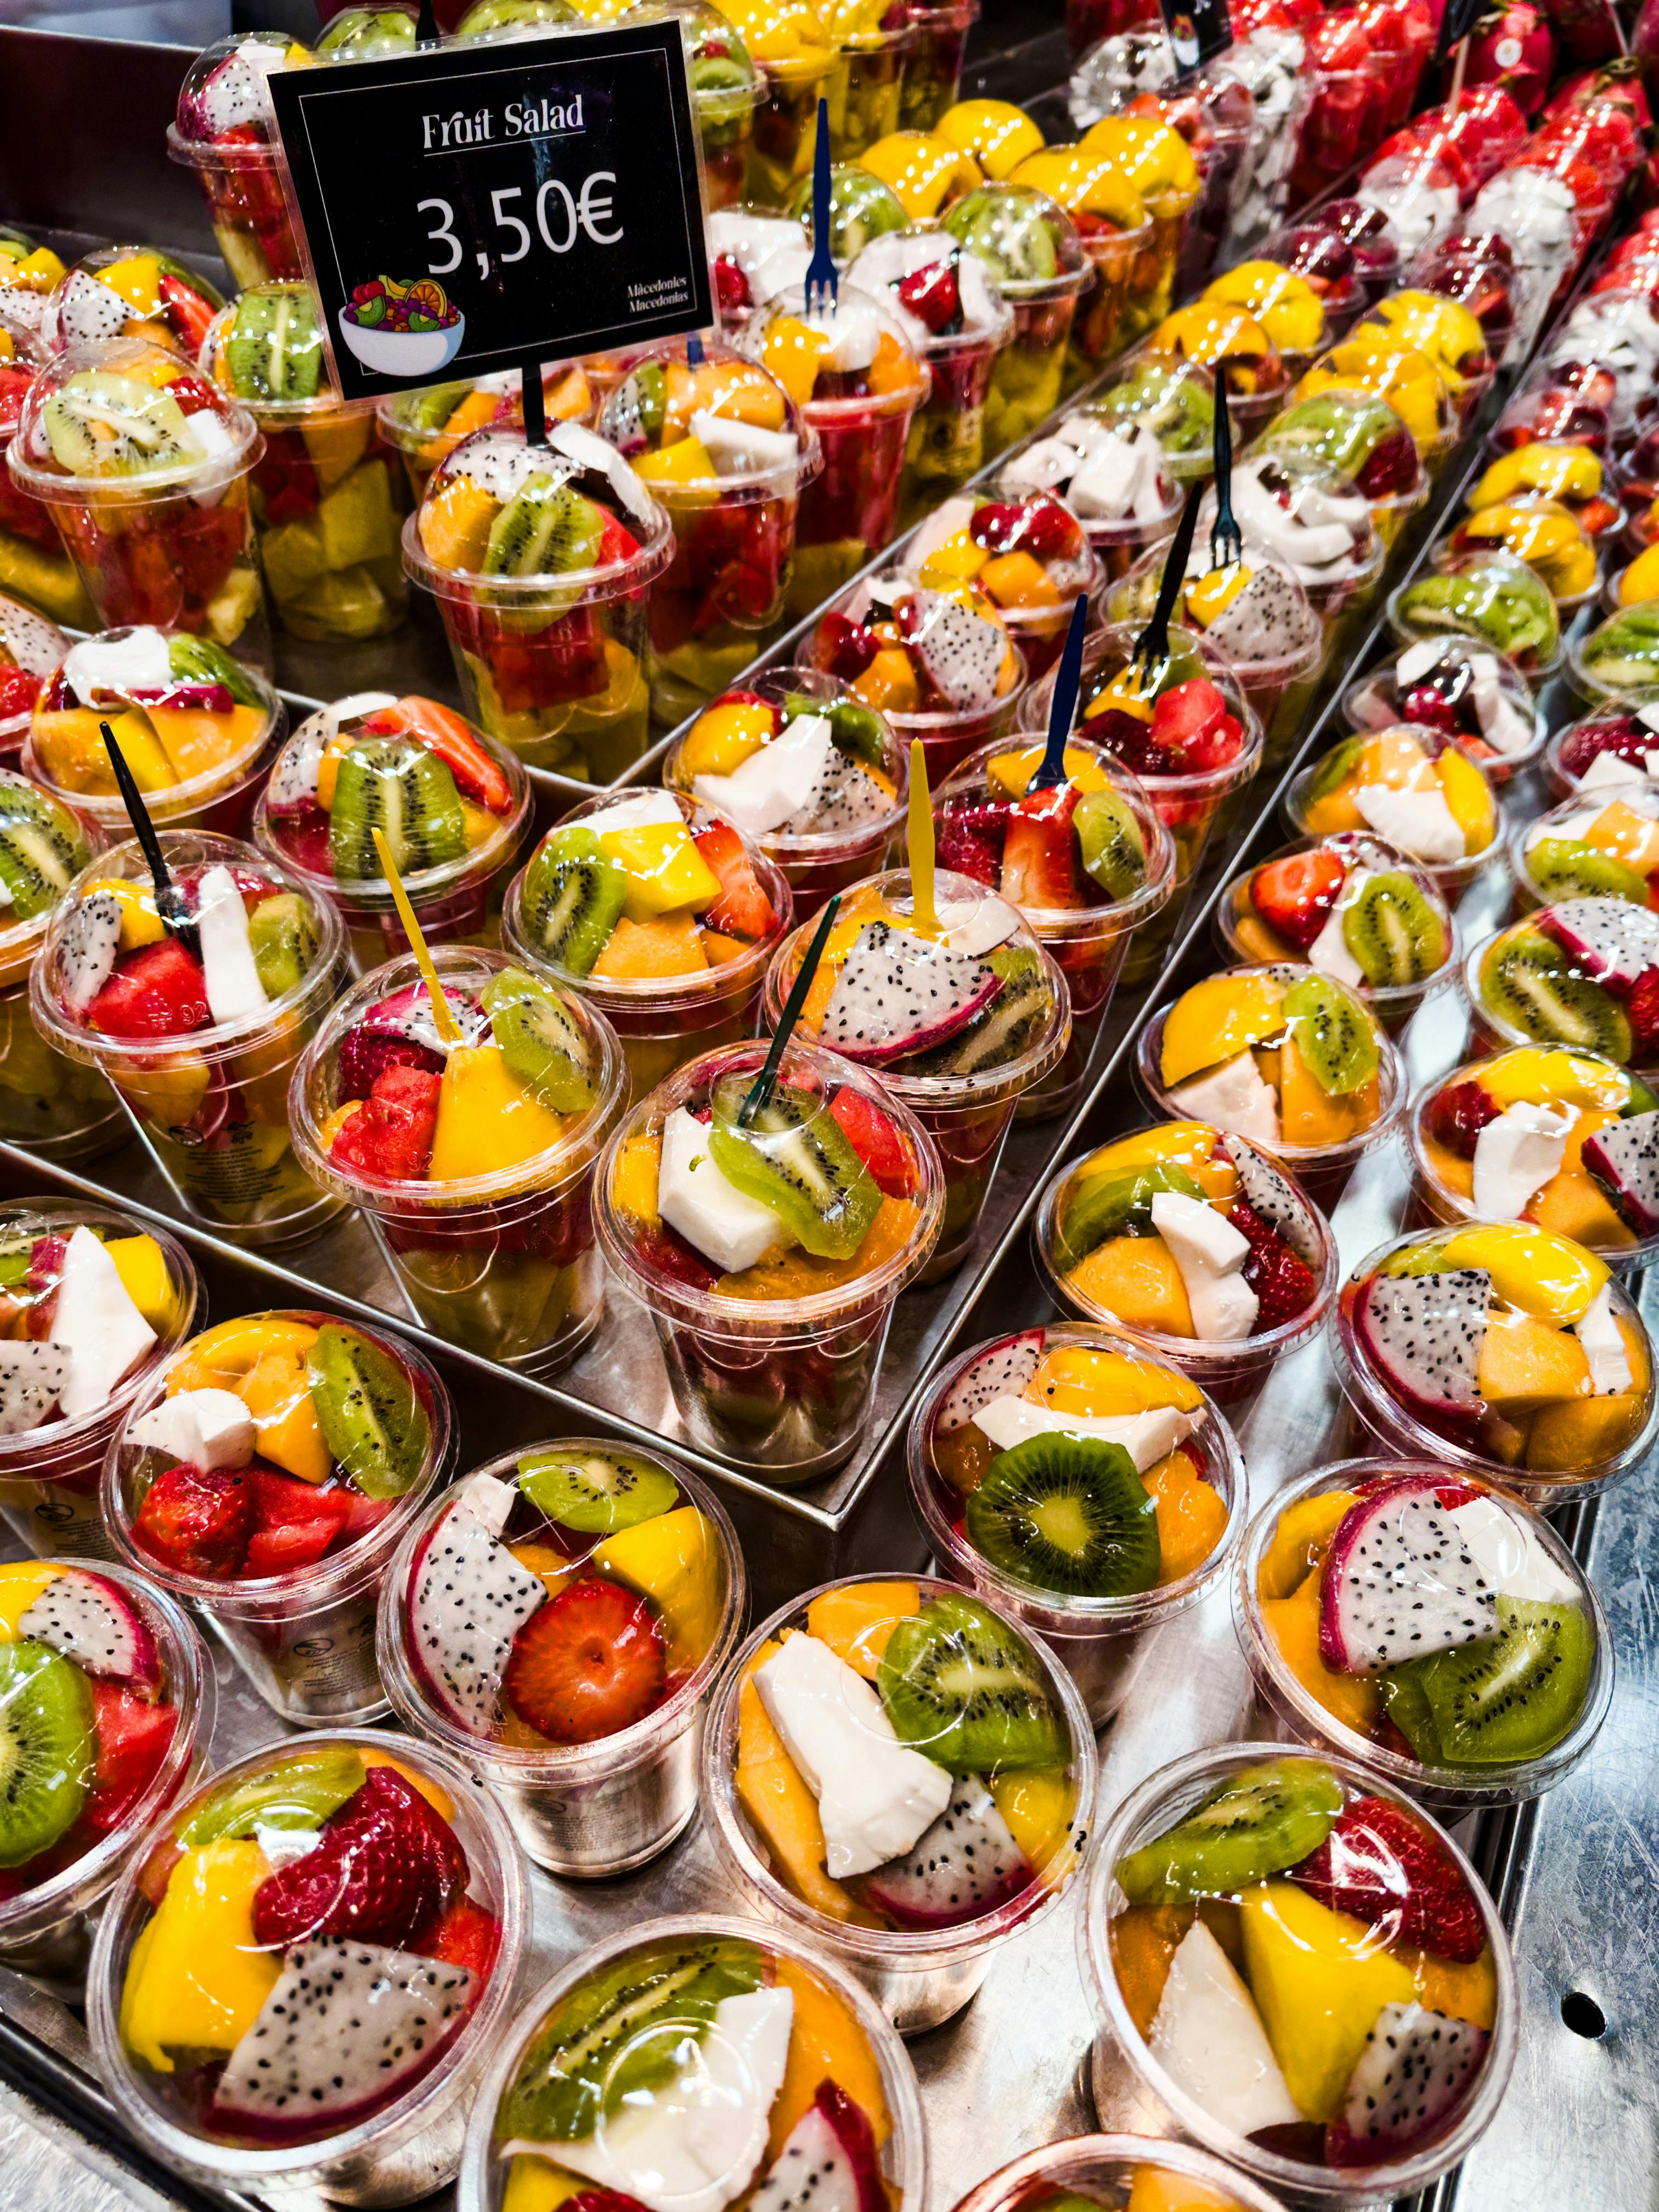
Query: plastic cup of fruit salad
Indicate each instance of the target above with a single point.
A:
(723, 448)
(1619, 736)
(1162, 174)
(1353, 908)
(1579, 973)
(1501, 1682)
(147, 468)
(265, 1475)
(557, 1622)
(1115, 477)
(726, 88)
(799, 764)
(686, 974)
(107, 1706)
(1175, 400)
(454, 803)
(1284, 1056)
(426, 427)
(1498, 1349)
(1619, 661)
(1194, 1244)
(34, 563)
(92, 1305)
(970, 1806)
(815, 2090)
(223, 130)
(1545, 537)
(1089, 1490)
(1024, 550)
(1595, 845)
(1213, 331)
(1370, 1959)
(962, 1073)
(330, 494)
(301, 1975)
(52, 1104)
(472, 1162)
(937, 664)
(1415, 788)
(198, 1049)
(1086, 862)
(197, 728)
(1360, 436)
(854, 375)
(31, 646)
(1118, 2173)
(1454, 685)
(541, 560)
(1032, 253)
(771, 1254)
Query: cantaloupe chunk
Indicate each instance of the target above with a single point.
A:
(1468, 798)
(634, 1179)
(1293, 1623)
(1136, 1279)
(1525, 1365)
(1460, 1992)
(1144, 1940)
(641, 951)
(1299, 1542)
(1191, 1515)
(1311, 1115)
(1564, 1438)
(856, 1622)
(1155, 2189)
(826, 2044)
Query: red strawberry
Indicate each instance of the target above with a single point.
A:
(1643, 1008)
(1294, 895)
(731, 285)
(1282, 1280)
(601, 2200)
(133, 1735)
(385, 1865)
(1191, 719)
(875, 1140)
(1385, 1868)
(191, 311)
(197, 1521)
(667, 1251)
(466, 1936)
(294, 1523)
(366, 1054)
(1049, 531)
(159, 991)
(193, 393)
(1040, 853)
(616, 542)
(1133, 741)
(743, 909)
(390, 1135)
(934, 296)
(441, 731)
(19, 689)
(589, 1662)
(1458, 1114)
(996, 525)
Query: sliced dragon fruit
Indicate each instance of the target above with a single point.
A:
(1416, 2069)
(86, 950)
(85, 310)
(1624, 1158)
(1003, 1371)
(32, 1379)
(898, 993)
(468, 1599)
(1612, 940)
(1273, 1196)
(827, 2162)
(1424, 1333)
(92, 1620)
(961, 651)
(293, 785)
(962, 1868)
(408, 1013)
(1398, 1582)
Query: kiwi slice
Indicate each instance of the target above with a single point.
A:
(103, 425)
(545, 529)
(596, 1493)
(1526, 981)
(372, 1417)
(795, 1158)
(1338, 765)
(1109, 1204)
(1508, 1697)
(284, 940)
(430, 410)
(195, 659)
(1068, 1513)
(297, 1793)
(539, 1042)
(1266, 1819)
(41, 850)
(273, 349)
(1108, 837)
(1010, 1025)
(1393, 932)
(47, 1749)
(1333, 1036)
(966, 1689)
(623, 2031)
(1562, 867)
(1011, 237)
(856, 729)
(573, 896)
(406, 792)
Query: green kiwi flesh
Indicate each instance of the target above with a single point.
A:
(540, 1041)
(597, 1492)
(1562, 867)
(1068, 1514)
(793, 1156)
(370, 1413)
(1506, 1699)
(573, 896)
(1332, 1035)
(968, 1691)
(1265, 1819)
(1394, 933)
(1530, 984)
(47, 1748)
(1121, 1205)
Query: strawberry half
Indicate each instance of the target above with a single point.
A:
(1385, 1869)
(1458, 1114)
(385, 1865)
(366, 1054)
(1040, 854)
(1281, 1279)
(743, 909)
(1294, 897)
(294, 1524)
(875, 1140)
(934, 296)
(588, 1663)
(133, 1735)
(1192, 720)
(196, 1521)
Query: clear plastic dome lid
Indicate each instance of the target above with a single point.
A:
(788, 38)
(434, 422)
(1621, 658)
(1210, 330)
(266, 350)
(721, 418)
(861, 206)
(1305, 513)
(1114, 69)
(29, 643)
(940, 295)
(1440, 328)
(130, 291)
(1416, 193)
(1025, 241)
(44, 846)
(1362, 228)
(1287, 307)
(1354, 433)
(848, 355)
(1093, 187)
(224, 100)
(724, 79)
(27, 273)
(1618, 331)
(363, 35)
(864, 26)
(21, 355)
(1253, 612)
(489, 20)
(182, 709)
(1152, 155)
(917, 651)
(1490, 597)
(1375, 361)
(1320, 257)
(501, 512)
(1532, 210)
(1175, 400)
(127, 412)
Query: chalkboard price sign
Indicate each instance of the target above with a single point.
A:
(471, 208)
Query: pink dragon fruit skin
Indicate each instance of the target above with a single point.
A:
(1423, 1335)
(1002, 1372)
(1416, 2069)
(1613, 941)
(1624, 1158)
(964, 1866)
(91, 1620)
(1398, 1583)
(899, 994)
(828, 2162)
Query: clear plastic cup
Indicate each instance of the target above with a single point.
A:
(49, 1474)
(1024, 550)
(933, 68)
(605, 1805)
(426, 427)
(411, 2144)
(34, 567)
(1101, 1641)
(1105, 2170)
(501, 1262)
(552, 664)
(304, 1637)
(1227, 1371)
(46, 1923)
(1320, 798)
(1516, 528)
(210, 1104)
(786, 122)
(1018, 233)
(1361, 439)
(782, 1383)
(1130, 284)
(1162, 2103)
(1346, 1712)
(1487, 587)
(968, 1116)
(1484, 703)
(1552, 1460)
(865, 88)
(883, 2086)
(456, 900)
(65, 751)
(920, 1977)
(236, 165)
(172, 545)
(726, 88)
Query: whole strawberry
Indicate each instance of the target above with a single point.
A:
(197, 1521)
(1385, 1868)
(385, 1865)
(1457, 1114)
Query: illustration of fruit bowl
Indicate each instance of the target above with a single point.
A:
(403, 330)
